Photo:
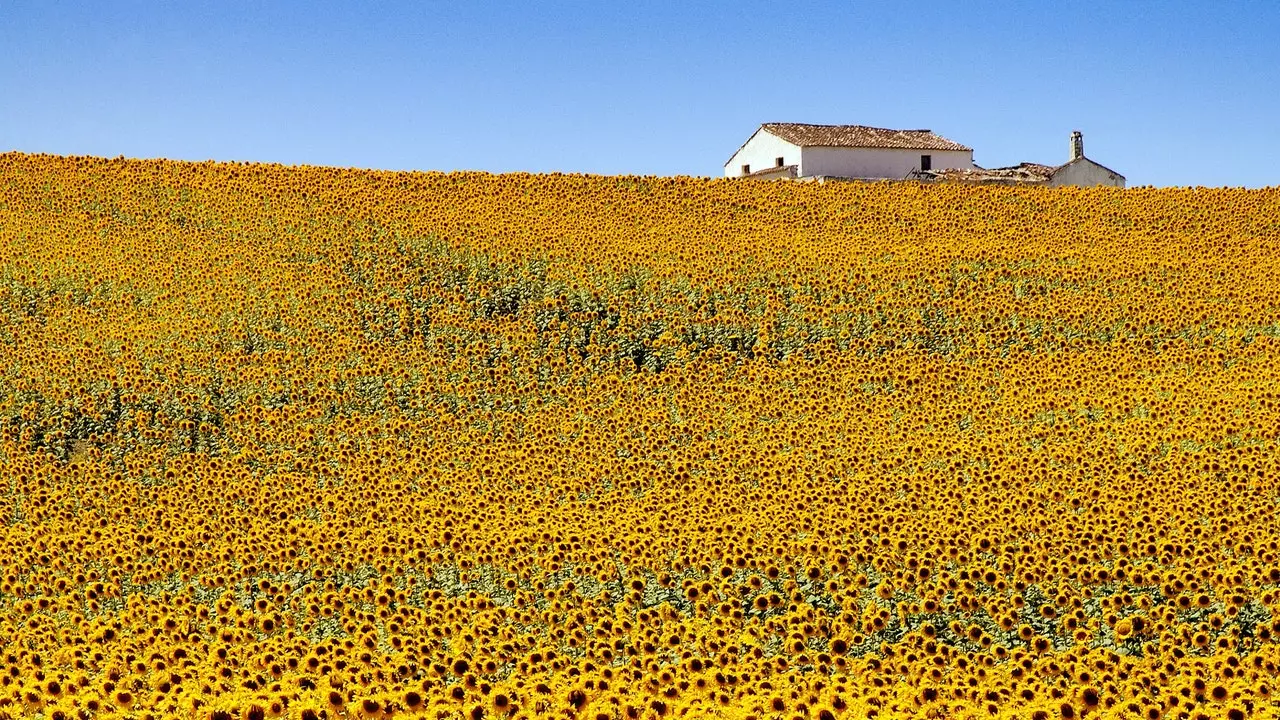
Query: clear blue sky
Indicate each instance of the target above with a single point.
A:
(1167, 93)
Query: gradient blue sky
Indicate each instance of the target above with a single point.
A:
(1167, 93)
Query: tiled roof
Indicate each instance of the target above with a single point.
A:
(788, 170)
(863, 136)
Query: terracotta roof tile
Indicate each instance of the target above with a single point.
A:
(788, 170)
(806, 135)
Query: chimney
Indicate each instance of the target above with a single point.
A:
(1077, 145)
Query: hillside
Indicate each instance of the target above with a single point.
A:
(316, 442)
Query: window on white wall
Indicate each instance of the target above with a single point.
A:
(746, 169)
(779, 163)
(926, 162)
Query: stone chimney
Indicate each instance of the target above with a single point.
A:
(1077, 145)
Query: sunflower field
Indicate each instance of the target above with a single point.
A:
(327, 443)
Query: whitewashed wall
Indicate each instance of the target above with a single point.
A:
(1085, 173)
(761, 152)
(876, 162)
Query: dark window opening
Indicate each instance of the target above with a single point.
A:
(779, 161)
(926, 162)
(746, 169)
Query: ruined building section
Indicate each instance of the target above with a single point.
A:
(1078, 171)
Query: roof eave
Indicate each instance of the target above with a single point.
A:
(881, 147)
(793, 169)
(1090, 160)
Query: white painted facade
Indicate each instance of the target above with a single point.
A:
(890, 163)
(765, 150)
(1085, 173)
(761, 151)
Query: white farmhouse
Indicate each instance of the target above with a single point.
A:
(797, 150)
